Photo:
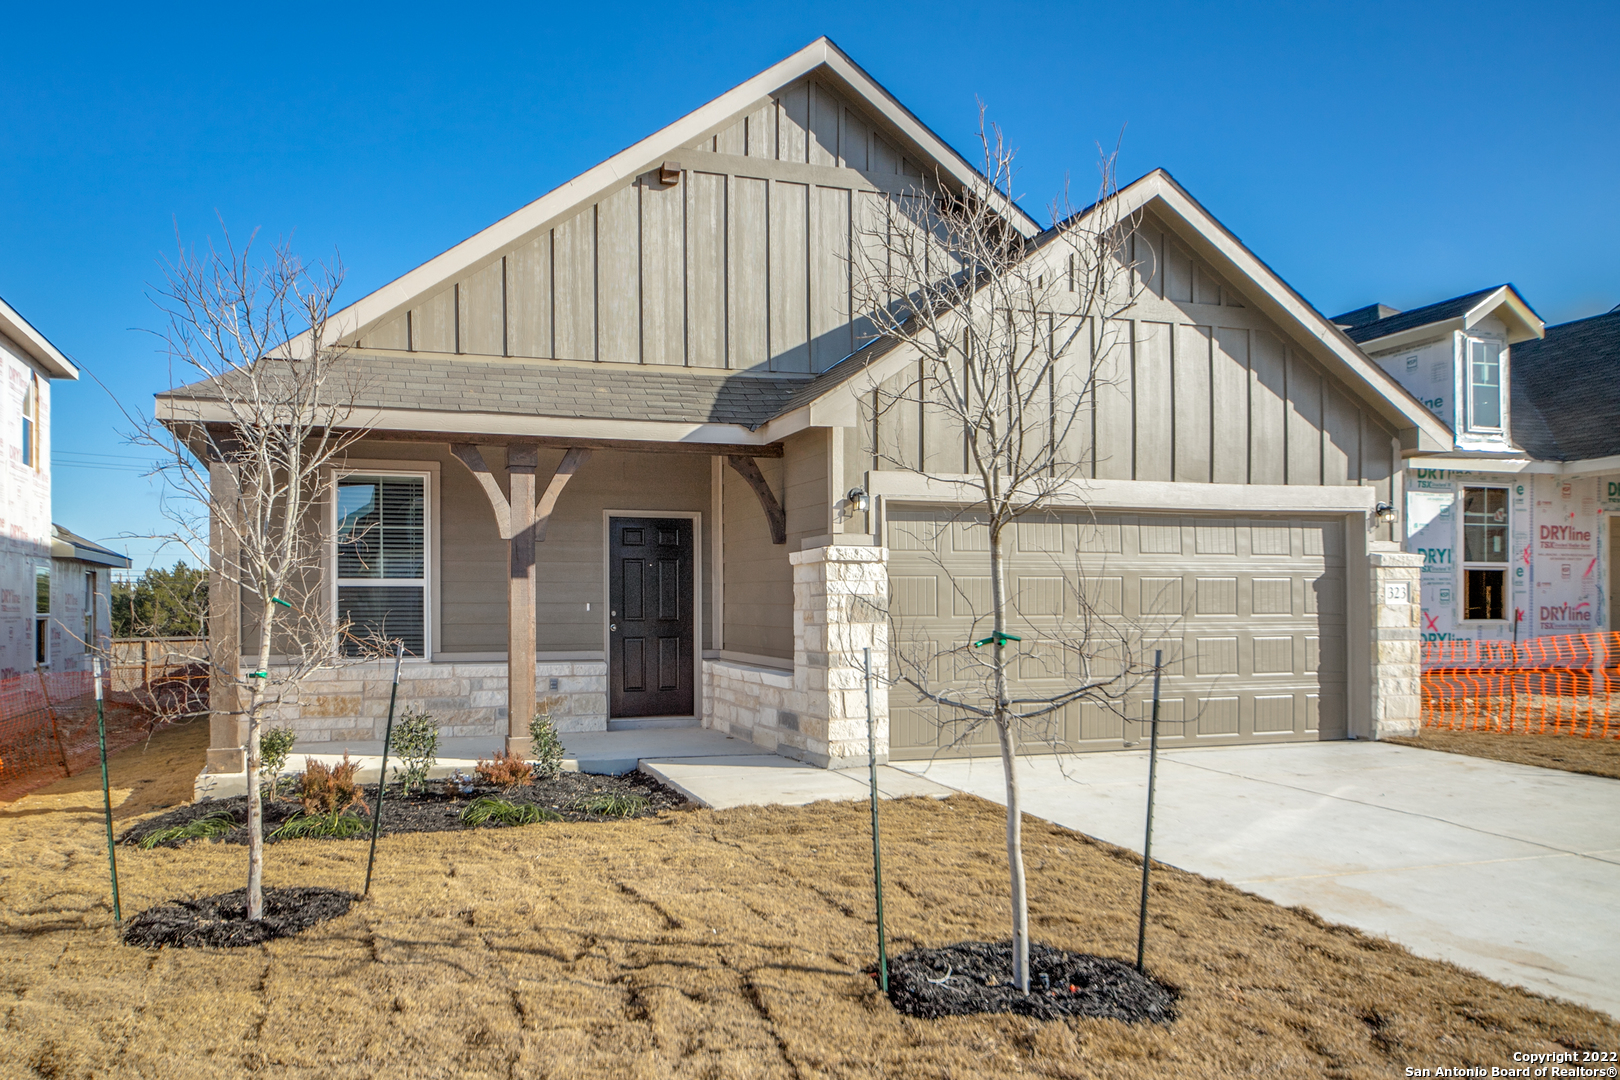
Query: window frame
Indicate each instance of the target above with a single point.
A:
(430, 547)
(1469, 344)
(30, 423)
(1466, 564)
(42, 619)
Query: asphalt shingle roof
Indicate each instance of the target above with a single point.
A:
(1454, 308)
(1566, 391)
(547, 388)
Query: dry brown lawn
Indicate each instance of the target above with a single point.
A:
(697, 944)
(1571, 753)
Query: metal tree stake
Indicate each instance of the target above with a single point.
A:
(382, 773)
(106, 791)
(877, 850)
(1147, 841)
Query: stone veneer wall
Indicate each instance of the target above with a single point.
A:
(1397, 692)
(751, 702)
(816, 713)
(468, 699)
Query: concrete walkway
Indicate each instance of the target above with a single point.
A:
(1510, 870)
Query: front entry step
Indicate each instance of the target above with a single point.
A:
(644, 723)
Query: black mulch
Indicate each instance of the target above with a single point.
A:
(976, 977)
(438, 809)
(222, 920)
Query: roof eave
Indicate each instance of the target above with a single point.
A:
(35, 345)
(1506, 304)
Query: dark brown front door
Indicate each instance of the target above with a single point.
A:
(650, 617)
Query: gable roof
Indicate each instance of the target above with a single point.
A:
(1566, 391)
(1196, 227)
(584, 399)
(1464, 311)
(821, 56)
(35, 345)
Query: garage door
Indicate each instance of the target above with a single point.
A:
(1249, 612)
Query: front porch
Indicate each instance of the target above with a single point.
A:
(768, 609)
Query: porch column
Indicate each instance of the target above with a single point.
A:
(225, 737)
(840, 607)
(521, 462)
(1397, 675)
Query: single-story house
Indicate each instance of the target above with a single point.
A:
(617, 440)
(1515, 524)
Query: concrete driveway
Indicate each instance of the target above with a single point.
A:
(1510, 870)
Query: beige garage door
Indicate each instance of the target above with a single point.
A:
(1249, 611)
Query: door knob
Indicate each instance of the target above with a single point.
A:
(613, 626)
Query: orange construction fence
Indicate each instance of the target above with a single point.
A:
(48, 728)
(1568, 685)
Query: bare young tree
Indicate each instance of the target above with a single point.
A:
(264, 403)
(1013, 338)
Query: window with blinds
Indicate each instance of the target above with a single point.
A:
(382, 561)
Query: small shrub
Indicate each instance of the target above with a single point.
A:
(505, 770)
(331, 790)
(338, 825)
(211, 827)
(545, 748)
(614, 804)
(416, 738)
(275, 744)
(485, 810)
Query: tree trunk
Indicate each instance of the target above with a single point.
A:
(255, 882)
(1009, 761)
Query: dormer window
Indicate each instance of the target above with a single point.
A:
(1484, 385)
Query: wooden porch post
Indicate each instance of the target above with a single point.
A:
(522, 523)
(521, 462)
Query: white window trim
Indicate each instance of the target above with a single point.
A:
(1464, 565)
(428, 472)
(1501, 385)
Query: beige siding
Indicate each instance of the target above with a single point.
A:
(743, 263)
(1196, 390)
(569, 564)
(528, 298)
(758, 577)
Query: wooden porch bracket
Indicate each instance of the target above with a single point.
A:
(571, 463)
(470, 456)
(748, 469)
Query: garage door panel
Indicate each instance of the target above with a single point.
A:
(1249, 613)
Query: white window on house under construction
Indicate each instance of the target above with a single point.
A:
(381, 561)
(1484, 386)
(1485, 554)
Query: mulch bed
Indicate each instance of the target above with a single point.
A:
(976, 977)
(222, 921)
(438, 809)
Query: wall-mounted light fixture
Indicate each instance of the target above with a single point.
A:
(857, 500)
(669, 173)
(1385, 513)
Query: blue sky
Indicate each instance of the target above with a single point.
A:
(1399, 153)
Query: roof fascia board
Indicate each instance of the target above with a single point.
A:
(379, 422)
(369, 310)
(1280, 303)
(1530, 326)
(35, 345)
(899, 486)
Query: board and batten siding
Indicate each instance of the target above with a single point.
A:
(743, 264)
(1194, 386)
